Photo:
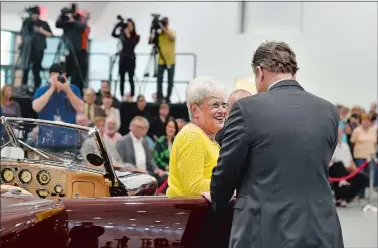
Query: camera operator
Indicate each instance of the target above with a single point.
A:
(76, 34)
(33, 34)
(58, 100)
(166, 48)
(129, 39)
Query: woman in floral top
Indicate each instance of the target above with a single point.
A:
(163, 145)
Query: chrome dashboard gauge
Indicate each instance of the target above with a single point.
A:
(25, 176)
(7, 175)
(58, 189)
(43, 177)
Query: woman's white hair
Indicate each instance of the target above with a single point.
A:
(201, 88)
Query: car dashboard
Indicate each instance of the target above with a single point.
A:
(54, 181)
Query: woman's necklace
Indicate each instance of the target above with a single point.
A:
(211, 137)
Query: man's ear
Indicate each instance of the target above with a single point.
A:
(259, 73)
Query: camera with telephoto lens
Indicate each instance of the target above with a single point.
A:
(121, 22)
(29, 22)
(61, 77)
(65, 11)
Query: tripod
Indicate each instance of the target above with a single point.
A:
(114, 58)
(152, 62)
(63, 50)
(24, 60)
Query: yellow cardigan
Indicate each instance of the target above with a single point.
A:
(193, 157)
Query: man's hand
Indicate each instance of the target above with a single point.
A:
(159, 172)
(207, 196)
(38, 29)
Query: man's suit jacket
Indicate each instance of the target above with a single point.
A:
(126, 151)
(219, 136)
(276, 151)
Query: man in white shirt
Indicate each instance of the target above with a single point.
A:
(133, 149)
(340, 166)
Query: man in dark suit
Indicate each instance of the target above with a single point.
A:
(234, 96)
(276, 151)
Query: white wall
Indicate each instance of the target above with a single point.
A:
(336, 43)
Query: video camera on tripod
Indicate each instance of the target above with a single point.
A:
(121, 24)
(156, 25)
(67, 11)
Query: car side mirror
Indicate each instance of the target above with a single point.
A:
(94, 159)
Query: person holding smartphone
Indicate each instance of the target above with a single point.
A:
(129, 39)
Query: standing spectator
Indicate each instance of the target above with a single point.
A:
(342, 120)
(105, 89)
(157, 128)
(58, 101)
(10, 108)
(364, 140)
(33, 34)
(107, 103)
(353, 122)
(162, 150)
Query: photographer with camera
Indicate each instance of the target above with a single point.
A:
(164, 39)
(75, 36)
(129, 39)
(33, 35)
(58, 100)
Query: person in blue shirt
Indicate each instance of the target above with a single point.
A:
(57, 101)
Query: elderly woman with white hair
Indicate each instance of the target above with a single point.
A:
(195, 152)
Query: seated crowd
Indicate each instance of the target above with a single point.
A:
(148, 146)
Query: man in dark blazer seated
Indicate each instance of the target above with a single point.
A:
(276, 150)
(134, 152)
(233, 97)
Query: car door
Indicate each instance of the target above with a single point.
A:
(145, 222)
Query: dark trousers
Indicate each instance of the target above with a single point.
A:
(78, 72)
(127, 64)
(346, 192)
(35, 60)
(160, 75)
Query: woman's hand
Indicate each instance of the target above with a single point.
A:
(207, 196)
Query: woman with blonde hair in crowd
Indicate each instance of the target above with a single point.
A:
(364, 140)
(195, 152)
(9, 107)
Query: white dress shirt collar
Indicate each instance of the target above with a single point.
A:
(275, 83)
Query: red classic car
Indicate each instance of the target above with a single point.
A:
(59, 189)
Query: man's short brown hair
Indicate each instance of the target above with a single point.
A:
(275, 57)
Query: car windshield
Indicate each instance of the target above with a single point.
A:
(54, 144)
